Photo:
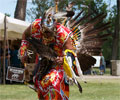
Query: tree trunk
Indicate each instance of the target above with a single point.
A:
(20, 11)
(118, 1)
(115, 50)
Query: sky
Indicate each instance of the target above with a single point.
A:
(8, 6)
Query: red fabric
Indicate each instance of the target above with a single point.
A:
(52, 86)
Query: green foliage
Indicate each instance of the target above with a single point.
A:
(39, 6)
(107, 49)
(7, 14)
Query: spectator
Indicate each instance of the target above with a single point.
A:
(15, 62)
(102, 64)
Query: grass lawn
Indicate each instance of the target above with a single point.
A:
(95, 89)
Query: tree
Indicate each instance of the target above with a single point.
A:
(115, 49)
(39, 6)
(20, 11)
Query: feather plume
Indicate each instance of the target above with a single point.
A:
(63, 14)
(81, 19)
(86, 61)
(77, 16)
(87, 37)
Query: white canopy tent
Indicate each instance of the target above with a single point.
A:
(10, 29)
(14, 27)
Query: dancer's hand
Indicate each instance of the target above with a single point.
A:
(59, 60)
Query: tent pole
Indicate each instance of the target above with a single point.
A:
(4, 55)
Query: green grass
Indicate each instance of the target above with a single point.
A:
(16, 92)
(95, 89)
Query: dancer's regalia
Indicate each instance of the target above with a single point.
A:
(51, 78)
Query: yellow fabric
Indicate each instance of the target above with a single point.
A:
(66, 65)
